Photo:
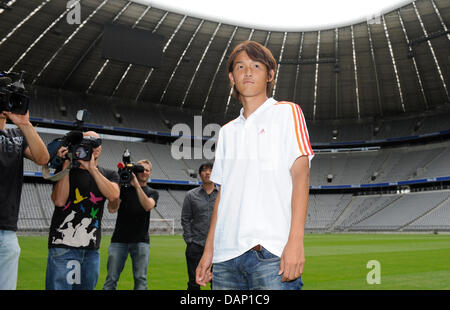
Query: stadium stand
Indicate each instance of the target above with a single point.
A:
(161, 118)
(423, 211)
(342, 212)
(352, 167)
(326, 212)
(437, 218)
(402, 211)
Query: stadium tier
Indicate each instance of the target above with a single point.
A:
(345, 167)
(161, 118)
(326, 212)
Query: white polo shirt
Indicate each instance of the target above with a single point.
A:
(252, 164)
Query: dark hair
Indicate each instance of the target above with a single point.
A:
(205, 166)
(256, 52)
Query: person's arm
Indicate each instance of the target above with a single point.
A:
(36, 150)
(203, 272)
(108, 189)
(146, 202)
(186, 219)
(293, 257)
(60, 192)
(113, 206)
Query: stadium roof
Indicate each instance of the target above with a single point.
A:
(394, 64)
(281, 15)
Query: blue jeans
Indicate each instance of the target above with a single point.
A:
(117, 256)
(9, 259)
(72, 269)
(253, 270)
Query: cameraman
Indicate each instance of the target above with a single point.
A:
(75, 231)
(15, 143)
(131, 231)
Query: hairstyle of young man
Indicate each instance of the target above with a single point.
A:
(256, 52)
(204, 166)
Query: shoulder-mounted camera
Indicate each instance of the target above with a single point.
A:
(79, 148)
(126, 168)
(13, 96)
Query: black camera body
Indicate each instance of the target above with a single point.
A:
(126, 168)
(13, 96)
(80, 148)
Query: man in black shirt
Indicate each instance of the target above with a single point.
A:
(15, 144)
(75, 230)
(131, 231)
(196, 215)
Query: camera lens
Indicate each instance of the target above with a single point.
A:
(81, 152)
(125, 177)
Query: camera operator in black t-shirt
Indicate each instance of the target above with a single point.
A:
(75, 230)
(131, 232)
(15, 144)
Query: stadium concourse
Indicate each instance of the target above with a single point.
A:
(375, 96)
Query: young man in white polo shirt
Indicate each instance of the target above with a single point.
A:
(262, 163)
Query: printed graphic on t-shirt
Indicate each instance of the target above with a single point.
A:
(11, 144)
(12, 147)
(94, 199)
(79, 227)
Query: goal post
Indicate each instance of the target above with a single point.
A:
(162, 227)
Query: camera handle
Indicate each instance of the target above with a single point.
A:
(57, 176)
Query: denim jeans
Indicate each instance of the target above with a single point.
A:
(9, 259)
(72, 269)
(253, 270)
(117, 255)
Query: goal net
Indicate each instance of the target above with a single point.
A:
(162, 226)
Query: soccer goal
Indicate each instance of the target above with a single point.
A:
(162, 227)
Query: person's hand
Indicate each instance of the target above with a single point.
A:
(88, 165)
(18, 119)
(134, 181)
(203, 272)
(292, 261)
(62, 153)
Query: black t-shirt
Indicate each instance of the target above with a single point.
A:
(12, 147)
(132, 220)
(78, 223)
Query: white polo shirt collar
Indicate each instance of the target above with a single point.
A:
(269, 102)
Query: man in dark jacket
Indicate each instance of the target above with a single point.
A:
(195, 219)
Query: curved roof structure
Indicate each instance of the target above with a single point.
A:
(394, 64)
(284, 15)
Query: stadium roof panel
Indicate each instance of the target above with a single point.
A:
(395, 65)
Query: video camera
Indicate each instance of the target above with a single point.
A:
(13, 97)
(126, 168)
(79, 147)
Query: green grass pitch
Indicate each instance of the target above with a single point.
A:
(333, 262)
